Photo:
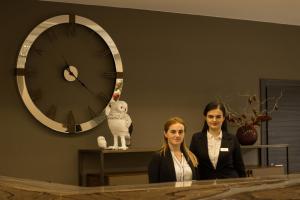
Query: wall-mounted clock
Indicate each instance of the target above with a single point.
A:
(67, 70)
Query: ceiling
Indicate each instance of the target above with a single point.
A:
(274, 11)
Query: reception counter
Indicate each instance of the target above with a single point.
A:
(273, 187)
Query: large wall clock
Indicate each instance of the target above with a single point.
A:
(67, 70)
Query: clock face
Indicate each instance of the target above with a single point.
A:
(67, 70)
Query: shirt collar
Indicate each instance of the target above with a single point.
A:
(210, 136)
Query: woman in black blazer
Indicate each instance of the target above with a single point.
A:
(174, 161)
(218, 152)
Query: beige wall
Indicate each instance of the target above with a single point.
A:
(174, 64)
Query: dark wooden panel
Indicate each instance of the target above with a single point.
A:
(285, 125)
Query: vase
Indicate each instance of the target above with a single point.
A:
(246, 135)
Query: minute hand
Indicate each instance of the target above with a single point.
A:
(81, 83)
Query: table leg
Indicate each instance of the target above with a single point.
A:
(101, 168)
(287, 160)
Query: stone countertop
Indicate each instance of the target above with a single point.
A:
(272, 187)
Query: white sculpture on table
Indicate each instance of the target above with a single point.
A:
(119, 123)
(101, 142)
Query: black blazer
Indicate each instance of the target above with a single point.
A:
(230, 163)
(161, 168)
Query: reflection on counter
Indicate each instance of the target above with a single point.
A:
(256, 188)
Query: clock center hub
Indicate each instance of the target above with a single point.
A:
(71, 73)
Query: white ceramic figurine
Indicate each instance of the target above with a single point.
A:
(101, 142)
(119, 123)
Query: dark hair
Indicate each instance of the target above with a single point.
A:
(211, 106)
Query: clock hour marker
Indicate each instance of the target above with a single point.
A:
(113, 75)
(36, 95)
(20, 71)
(24, 72)
(70, 31)
(78, 128)
(71, 123)
(103, 97)
(106, 52)
(51, 36)
(51, 112)
(38, 51)
(72, 19)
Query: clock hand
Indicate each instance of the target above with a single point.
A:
(71, 74)
(76, 78)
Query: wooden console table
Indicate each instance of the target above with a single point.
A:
(113, 161)
(108, 162)
(264, 146)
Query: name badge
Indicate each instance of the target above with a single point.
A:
(224, 149)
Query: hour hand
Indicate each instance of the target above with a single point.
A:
(71, 74)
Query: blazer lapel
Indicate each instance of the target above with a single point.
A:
(205, 145)
(170, 164)
(204, 148)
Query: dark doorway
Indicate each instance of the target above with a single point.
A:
(284, 128)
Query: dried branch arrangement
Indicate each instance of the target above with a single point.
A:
(251, 115)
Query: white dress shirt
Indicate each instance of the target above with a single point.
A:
(214, 144)
(182, 169)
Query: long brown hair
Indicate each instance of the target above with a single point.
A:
(188, 154)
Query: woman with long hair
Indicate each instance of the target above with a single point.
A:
(217, 151)
(174, 162)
